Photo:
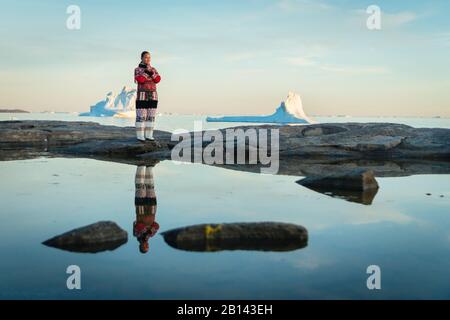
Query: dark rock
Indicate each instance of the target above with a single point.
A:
(357, 180)
(89, 137)
(322, 130)
(96, 237)
(259, 236)
(13, 111)
(357, 185)
(365, 141)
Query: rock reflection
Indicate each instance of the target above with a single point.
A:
(365, 197)
(356, 185)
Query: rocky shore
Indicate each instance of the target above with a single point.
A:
(385, 148)
(13, 111)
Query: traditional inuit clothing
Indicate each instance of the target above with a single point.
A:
(146, 78)
(145, 225)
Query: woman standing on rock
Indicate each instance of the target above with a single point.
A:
(146, 78)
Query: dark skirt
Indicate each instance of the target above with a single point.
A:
(144, 104)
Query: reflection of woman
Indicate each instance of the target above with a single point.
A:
(145, 225)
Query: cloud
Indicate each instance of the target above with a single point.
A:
(295, 5)
(397, 19)
(355, 69)
(308, 55)
(443, 39)
(306, 61)
(240, 56)
(164, 58)
(301, 61)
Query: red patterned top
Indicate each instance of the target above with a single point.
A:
(146, 78)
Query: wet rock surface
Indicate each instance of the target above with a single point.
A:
(357, 185)
(355, 180)
(258, 236)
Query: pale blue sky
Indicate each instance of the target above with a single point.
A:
(231, 57)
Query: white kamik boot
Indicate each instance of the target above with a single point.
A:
(140, 129)
(149, 130)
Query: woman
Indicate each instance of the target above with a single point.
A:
(146, 78)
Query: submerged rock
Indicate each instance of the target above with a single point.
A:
(357, 185)
(357, 180)
(96, 237)
(258, 236)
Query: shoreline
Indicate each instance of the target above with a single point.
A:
(387, 149)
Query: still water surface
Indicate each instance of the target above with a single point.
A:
(405, 232)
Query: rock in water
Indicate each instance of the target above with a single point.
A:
(96, 237)
(357, 185)
(260, 236)
(357, 179)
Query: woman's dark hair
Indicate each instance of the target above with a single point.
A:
(144, 53)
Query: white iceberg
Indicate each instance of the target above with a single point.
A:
(121, 105)
(289, 111)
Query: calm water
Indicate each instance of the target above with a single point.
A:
(172, 122)
(405, 232)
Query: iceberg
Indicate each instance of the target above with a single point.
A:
(122, 105)
(289, 111)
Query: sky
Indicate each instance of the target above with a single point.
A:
(231, 57)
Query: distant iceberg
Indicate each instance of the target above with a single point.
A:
(289, 111)
(122, 105)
